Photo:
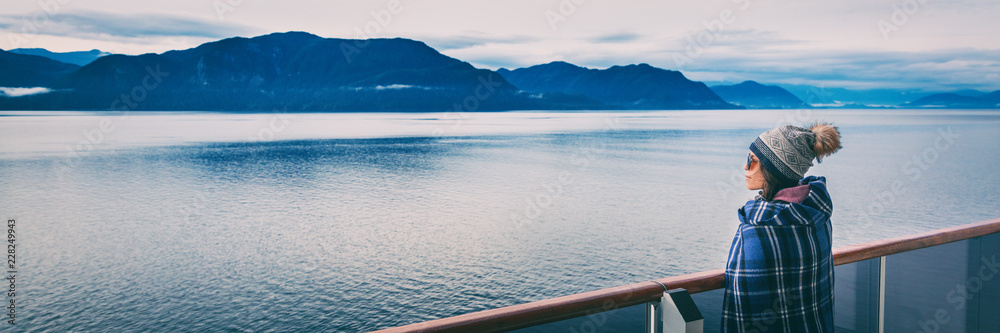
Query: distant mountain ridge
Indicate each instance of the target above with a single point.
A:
(20, 70)
(634, 87)
(819, 96)
(753, 95)
(291, 71)
(79, 58)
(957, 101)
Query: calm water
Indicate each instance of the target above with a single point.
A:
(355, 222)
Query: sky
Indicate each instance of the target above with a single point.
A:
(931, 45)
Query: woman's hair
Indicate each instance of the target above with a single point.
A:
(773, 184)
(826, 142)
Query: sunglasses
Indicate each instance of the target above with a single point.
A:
(750, 161)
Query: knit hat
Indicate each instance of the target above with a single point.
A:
(787, 151)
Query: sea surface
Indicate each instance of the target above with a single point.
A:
(348, 222)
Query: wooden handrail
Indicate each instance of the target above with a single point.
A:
(576, 305)
(880, 248)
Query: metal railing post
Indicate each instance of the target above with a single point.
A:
(881, 294)
(651, 309)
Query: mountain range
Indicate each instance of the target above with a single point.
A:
(634, 87)
(956, 101)
(292, 71)
(298, 71)
(79, 58)
(753, 95)
(832, 97)
(20, 70)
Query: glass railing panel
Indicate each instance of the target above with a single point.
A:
(942, 288)
(627, 319)
(710, 305)
(989, 302)
(855, 295)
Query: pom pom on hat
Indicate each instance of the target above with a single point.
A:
(827, 140)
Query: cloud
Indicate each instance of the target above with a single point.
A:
(472, 39)
(105, 25)
(616, 38)
(393, 87)
(18, 92)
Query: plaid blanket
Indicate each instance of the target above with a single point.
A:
(779, 277)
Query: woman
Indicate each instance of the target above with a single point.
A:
(779, 277)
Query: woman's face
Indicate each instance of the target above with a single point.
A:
(755, 180)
